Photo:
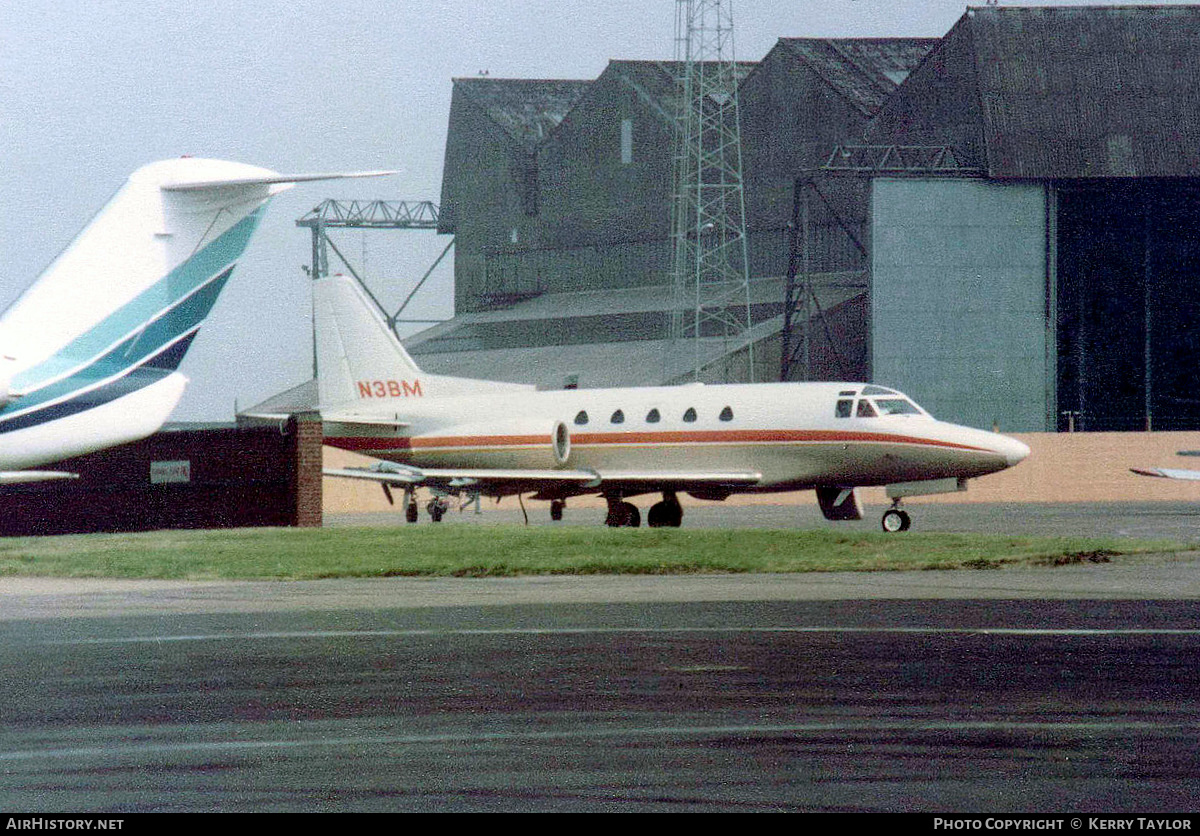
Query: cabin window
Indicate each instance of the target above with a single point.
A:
(726, 414)
(581, 418)
(652, 417)
(690, 415)
(865, 410)
(844, 409)
(618, 417)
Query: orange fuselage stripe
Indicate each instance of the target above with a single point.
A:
(665, 437)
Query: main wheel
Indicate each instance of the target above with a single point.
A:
(623, 514)
(896, 520)
(665, 515)
(633, 517)
(556, 509)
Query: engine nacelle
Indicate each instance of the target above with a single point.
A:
(519, 443)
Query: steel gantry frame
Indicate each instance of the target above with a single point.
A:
(370, 214)
(801, 304)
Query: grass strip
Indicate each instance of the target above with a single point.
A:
(507, 551)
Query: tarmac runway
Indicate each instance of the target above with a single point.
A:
(1032, 690)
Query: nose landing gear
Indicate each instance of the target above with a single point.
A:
(896, 519)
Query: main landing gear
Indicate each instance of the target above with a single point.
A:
(435, 507)
(665, 514)
(622, 514)
(896, 519)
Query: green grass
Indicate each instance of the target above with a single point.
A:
(504, 551)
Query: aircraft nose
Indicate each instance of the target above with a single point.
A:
(1012, 450)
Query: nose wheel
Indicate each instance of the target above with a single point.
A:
(896, 519)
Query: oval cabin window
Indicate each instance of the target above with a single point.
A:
(726, 414)
(618, 417)
(652, 417)
(581, 418)
(690, 415)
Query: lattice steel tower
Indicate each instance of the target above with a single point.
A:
(711, 317)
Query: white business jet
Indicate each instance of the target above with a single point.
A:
(455, 435)
(91, 349)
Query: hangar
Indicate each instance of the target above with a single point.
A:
(558, 195)
(1059, 277)
(1040, 281)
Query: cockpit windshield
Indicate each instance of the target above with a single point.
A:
(896, 406)
(882, 403)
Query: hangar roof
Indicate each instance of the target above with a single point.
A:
(655, 81)
(527, 109)
(545, 339)
(865, 71)
(1060, 92)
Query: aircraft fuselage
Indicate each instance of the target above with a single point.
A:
(797, 435)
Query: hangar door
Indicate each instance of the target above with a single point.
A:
(1128, 270)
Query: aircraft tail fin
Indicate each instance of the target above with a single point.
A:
(358, 356)
(117, 310)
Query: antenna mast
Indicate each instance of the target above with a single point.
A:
(710, 320)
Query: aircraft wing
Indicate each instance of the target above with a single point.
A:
(486, 481)
(18, 477)
(1171, 473)
(1168, 473)
(546, 484)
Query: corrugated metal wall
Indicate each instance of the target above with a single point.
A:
(959, 299)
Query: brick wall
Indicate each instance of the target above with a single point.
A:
(195, 478)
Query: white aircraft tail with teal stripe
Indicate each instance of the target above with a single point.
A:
(91, 350)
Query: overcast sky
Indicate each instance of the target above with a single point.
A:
(91, 90)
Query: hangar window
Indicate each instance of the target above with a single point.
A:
(726, 414)
(618, 417)
(581, 418)
(844, 408)
(865, 410)
(652, 417)
(626, 141)
(690, 415)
